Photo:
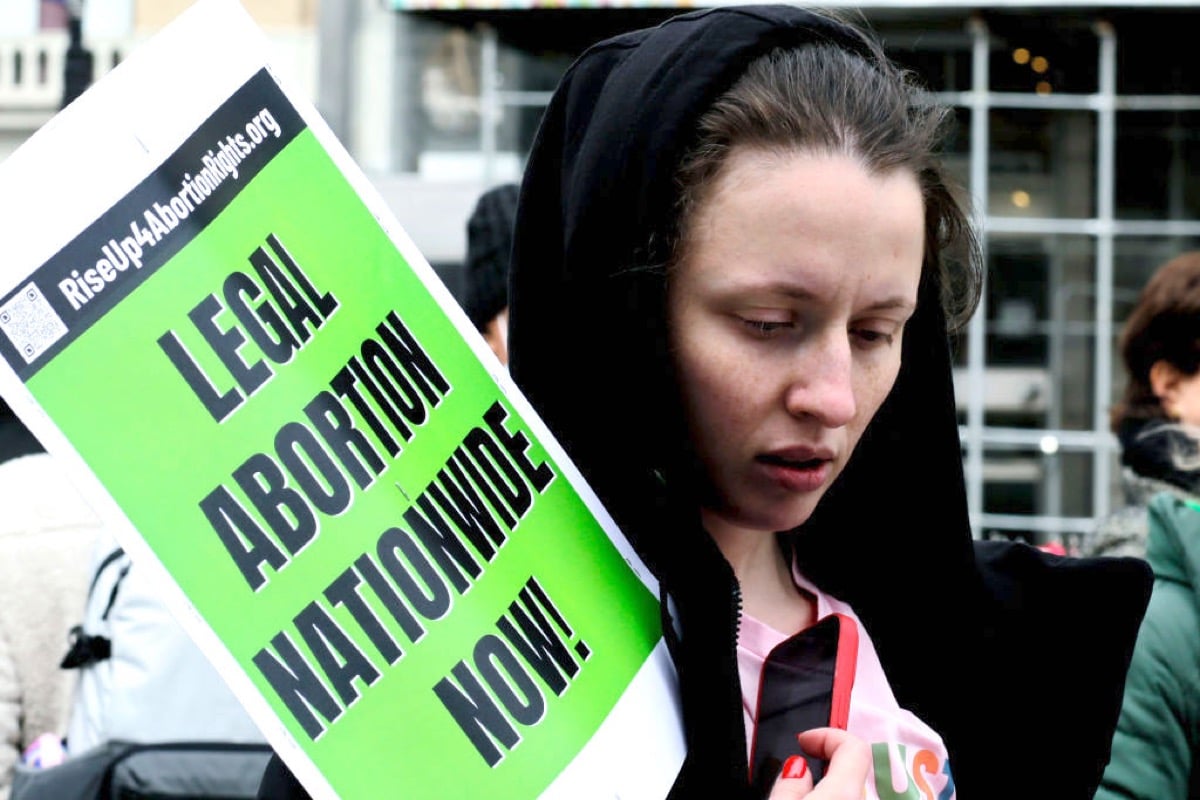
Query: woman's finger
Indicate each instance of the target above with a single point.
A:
(849, 761)
(794, 781)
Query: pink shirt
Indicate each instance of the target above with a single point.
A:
(909, 758)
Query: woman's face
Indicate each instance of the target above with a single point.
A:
(1178, 392)
(785, 316)
(1187, 402)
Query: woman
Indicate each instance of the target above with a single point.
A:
(1157, 743)
(1159, 413)
(728, 276)
(637, 225)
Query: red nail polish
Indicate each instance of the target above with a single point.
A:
(795, 767)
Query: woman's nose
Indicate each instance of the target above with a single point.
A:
(821, 384)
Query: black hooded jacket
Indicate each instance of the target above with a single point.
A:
(1015, 657)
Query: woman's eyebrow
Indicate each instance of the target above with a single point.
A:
(895, 302)
(796, 291)
(784, 288)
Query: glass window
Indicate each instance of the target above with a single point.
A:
(1156, 156)
(1042, 163)
(1070, 474)
(450, 83)
(956, 148)
(528, 79)
(1042, 54)
(937, 48)
(1011, 478)
(1135, 258)
(546, 31)
(1039, 341)
(1156, 52)
(449, 142)
(1040, 332)
(1029, 481)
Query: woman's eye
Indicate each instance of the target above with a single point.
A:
(765, 327)
(869, 336)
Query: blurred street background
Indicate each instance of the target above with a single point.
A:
(1076, 127)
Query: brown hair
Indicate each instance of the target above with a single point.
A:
(825, 98)
(1163, 326)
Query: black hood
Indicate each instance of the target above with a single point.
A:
(891, 537)
(586, 338)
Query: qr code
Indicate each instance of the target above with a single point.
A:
(30, 323)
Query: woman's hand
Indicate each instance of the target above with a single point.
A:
(849, 761)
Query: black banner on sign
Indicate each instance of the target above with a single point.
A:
(141, 232)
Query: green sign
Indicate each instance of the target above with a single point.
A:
(301, 430)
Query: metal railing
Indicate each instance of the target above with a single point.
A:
(32, 69)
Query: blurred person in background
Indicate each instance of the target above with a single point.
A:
(47, 533)
(1158, 416)
(1155, 747)
(489, 246)
(86, 662)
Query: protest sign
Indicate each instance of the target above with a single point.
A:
(214, 322)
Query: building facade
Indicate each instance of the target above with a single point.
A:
(1074, 136)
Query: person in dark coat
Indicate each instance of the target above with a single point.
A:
(712, 307)
(489, 245)
(1156, 748)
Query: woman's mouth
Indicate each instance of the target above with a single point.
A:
(796, 475)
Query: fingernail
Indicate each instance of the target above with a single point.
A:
(795, 767)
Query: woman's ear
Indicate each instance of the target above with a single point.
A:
(1164, 382)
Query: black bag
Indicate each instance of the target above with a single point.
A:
(149, 771)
